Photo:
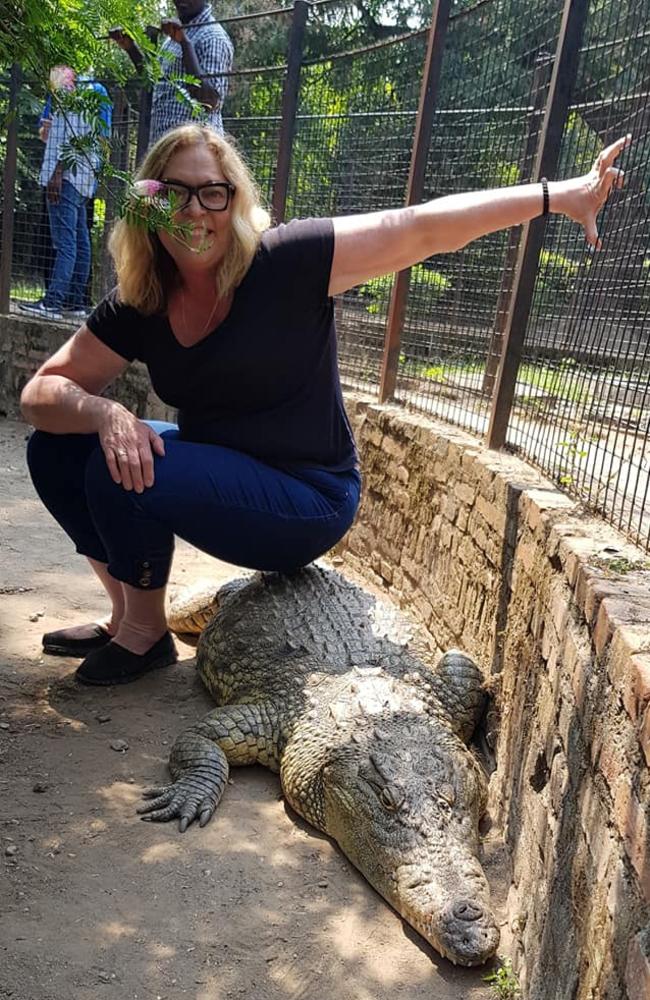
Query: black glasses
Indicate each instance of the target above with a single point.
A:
(214, 197)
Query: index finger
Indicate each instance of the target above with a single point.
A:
(609, 154)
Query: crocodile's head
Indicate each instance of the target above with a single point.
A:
(404, 807)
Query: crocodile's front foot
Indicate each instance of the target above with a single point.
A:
(194, 795)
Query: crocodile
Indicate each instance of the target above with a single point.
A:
(336, 689)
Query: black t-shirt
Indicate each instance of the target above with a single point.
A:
(266, 380)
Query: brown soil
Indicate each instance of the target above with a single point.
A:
(95, 903)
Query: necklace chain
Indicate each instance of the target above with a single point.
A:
(210, 317)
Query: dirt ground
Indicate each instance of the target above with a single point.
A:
(96, 904)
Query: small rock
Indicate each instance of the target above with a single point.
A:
(120, 745)
(40, 786)
(36, 616)
(323, 883)
(103, 718)
(4, 725)
(11, 850)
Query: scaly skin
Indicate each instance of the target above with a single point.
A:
(318, 680)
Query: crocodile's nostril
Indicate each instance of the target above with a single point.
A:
(467, 909)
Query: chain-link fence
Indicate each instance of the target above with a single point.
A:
(524, 336)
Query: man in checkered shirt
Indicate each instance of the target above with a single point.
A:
(195, 45)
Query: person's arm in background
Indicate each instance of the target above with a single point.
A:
(368, 246)
(53, 167)
(126, 43)
(45, 119)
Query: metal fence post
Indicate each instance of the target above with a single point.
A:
(541, 77)
(415, 188)
(563, 78)
(289, 107)
(9, 192)
(144, 123)
(114, 185)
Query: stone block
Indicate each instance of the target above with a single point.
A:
(630, 639)
(636, 694)
(603, 630)
(637, 968)
(493, 515)
(372, 435)
(630, 676)
(631, 820)
(594, 823)
(559, 782)
(466, 494)
(529, 556)
(613, 763)
(644, 735)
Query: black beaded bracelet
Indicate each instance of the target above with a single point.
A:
(546, 203)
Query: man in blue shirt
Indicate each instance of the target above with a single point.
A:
(69, 187)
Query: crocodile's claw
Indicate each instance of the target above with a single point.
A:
(194, 795)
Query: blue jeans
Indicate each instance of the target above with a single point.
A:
(71, 241)
(224, 502)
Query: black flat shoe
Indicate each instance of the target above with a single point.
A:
(113, 664)
(69, 641)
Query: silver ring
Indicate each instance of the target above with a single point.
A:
(121, 454)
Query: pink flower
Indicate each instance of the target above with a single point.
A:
(62, 78)
(147, 188)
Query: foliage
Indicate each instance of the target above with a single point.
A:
(39, 34)
(504, 981)
(556, 280)
(425, 283)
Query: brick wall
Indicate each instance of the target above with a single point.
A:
(493, 558)
(25, 343)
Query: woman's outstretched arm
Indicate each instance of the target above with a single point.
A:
(367, 246)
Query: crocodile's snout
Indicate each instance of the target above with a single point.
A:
(468, 934)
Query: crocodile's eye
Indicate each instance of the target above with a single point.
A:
(391, 798)
(447, 793)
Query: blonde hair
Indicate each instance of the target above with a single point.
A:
(145, 271)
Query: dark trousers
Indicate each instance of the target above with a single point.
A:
(224, 502)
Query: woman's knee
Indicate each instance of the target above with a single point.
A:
(58, 457)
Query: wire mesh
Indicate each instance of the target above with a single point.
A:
(253, 111)
(581, 405)
(495, 77)
(351, 153)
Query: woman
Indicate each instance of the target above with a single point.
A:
(234, 321)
